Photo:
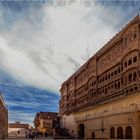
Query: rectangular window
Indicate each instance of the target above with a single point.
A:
(135, 59)
(130, 62)
(115, 72)
(118, 85)
(105, 90)
(135, 35)
(125, 64)
(119, 70)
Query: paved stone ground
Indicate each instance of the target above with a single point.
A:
(23, 138)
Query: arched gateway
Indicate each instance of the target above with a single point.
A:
(81, 131)
(128, 132)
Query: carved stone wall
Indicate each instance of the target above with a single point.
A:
(111, 74)
(110, 58)
(92, 67)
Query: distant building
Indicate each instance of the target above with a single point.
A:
(18, 129)
(3, 119)
(44, 122)
(102, 98)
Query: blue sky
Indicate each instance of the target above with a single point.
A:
(43, 42)
(24, 101)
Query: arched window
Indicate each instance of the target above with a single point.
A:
(118, 85)
(125, 80)
(134, 59)
(105, 90)
(134, 35)
(135, 76)
(128, 132)
(130, 62)
(119, 70)
(130, 77)
(125, 64)
(112, 133)
(112, 86)
(115, 85)
(122, 81)
(119, 133)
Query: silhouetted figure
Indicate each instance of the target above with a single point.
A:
(46, 134)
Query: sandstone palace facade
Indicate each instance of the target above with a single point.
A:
(102, 98)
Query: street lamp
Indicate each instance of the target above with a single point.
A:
(102, 130)
(86, 125)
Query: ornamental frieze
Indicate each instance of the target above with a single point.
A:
(110, 58)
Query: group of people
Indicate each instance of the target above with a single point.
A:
(32, 134)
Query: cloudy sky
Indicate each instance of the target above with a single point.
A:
(43, 42)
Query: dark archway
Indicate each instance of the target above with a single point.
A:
(93, 135)
(81, 131)
(112, 133)
(128, 132)
(119, 133)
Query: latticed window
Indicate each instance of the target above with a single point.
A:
(130, 62)
(135, 59)
(135, 76)
(118, 84)
(125, 64)
(130, 77)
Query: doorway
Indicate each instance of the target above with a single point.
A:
(120, 133)
(81, 131)
(128, 132)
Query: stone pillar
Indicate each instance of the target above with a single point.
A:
(124, 131)
(115, 132)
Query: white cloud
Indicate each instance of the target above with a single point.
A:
(45, 53)
(21, 116)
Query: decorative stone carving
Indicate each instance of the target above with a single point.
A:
(92, 68)
(81, 79)
(71, 85)
(110, 58)
(130, 39)
(111, 74)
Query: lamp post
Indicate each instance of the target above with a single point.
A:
(86, 126)
(102, 127)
